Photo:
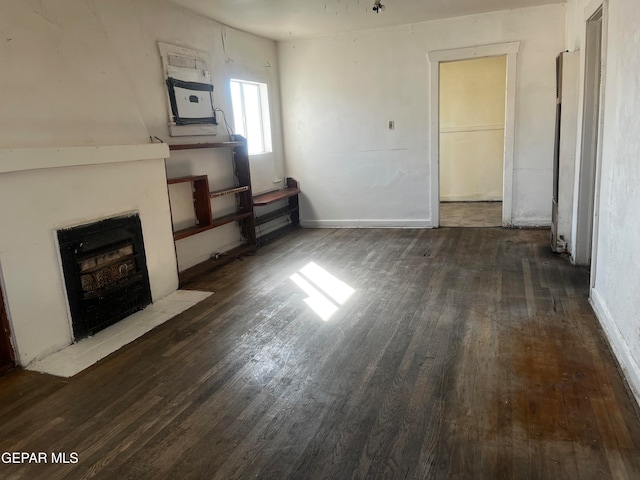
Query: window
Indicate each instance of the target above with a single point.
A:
(250, 102)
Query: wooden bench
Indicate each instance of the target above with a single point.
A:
(291, 209)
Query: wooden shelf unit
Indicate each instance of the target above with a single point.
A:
(290, 194)
(194, 146)
(202, 196)
(272, 197)
(201, 205)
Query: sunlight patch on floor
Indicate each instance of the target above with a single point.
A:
(326, 293)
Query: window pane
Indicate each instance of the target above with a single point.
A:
(236, 102)
(253, 117)
(250, 102)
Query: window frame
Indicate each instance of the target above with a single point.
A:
(264, 113)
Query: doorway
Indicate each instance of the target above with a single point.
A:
(472, 119)
(7, 356)
(588, 186)
(436, 60)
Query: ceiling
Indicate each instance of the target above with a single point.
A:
(285, 19)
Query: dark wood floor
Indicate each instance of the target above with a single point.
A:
(470, 214)
(463, 353)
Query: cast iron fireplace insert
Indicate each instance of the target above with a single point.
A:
(105, 272)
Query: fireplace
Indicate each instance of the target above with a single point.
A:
(71, 186)
(105, 272)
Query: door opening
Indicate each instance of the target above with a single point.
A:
(472, 119)
(587, 212)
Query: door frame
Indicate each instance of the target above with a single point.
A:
(587, 199)
(510, 50)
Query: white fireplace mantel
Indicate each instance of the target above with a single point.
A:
(19, 159)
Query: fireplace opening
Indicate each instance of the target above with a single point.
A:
(105, 272)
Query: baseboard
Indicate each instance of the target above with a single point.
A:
(405, 223)
(384, 223)
(466, 198)
(621, 350)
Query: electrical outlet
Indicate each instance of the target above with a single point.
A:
(392, 125)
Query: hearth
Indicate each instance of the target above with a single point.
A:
(105, 272)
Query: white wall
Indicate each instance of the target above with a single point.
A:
(340, 91)
(472, 114)
(133, 30)
(574, 27)
(616, 260)
(65, 86)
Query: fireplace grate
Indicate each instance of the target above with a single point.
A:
(105, 272)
